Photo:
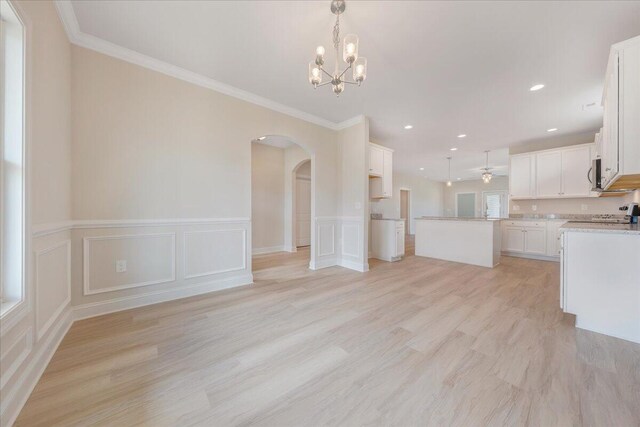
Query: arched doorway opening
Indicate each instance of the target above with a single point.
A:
(282, 203)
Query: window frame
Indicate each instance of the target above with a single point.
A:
(12, 311)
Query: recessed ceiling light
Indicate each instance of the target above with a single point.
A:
(536, 87)
(453, 149)
(408, 127)
(552, 130)
(462, 135)
(458, 179)
(261, 138)
(421, 169)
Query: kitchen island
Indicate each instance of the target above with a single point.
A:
(600, 277)
(467, 240)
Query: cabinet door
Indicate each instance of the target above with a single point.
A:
(376, 161)
(513, 239)
(553, 237)
(399, 249)
(534, 240)
(387, 174)
(520, 176)
(610, 141)
(549, 174)
(575, 168)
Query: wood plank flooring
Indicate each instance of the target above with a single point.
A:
(417, 342)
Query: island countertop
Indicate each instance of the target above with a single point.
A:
(598, 227)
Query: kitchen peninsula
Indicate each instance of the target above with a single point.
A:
(467, 240)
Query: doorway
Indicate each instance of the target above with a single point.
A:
(494, 204)
(302, 205)
(405, 209)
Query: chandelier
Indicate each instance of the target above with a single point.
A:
(349, 55)
(487, 175)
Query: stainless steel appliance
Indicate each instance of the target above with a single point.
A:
(595, 175)
(632, 212)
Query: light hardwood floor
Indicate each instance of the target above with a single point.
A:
(417, 342)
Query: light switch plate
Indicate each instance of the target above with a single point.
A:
(121, 266)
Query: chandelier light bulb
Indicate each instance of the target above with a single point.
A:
(448, 183)
(315, 74)
(320, 50)
(360, 69)
(350, 51)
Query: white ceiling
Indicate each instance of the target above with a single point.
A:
(445, 67)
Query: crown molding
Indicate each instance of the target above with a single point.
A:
(78, 37)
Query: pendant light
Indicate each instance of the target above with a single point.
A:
(487, 175)
(449, 180)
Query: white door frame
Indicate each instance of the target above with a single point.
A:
(504, 210)
(408, 190)
(475, 200)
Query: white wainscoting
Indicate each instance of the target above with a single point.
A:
(351, 238)
(209, 252)
(325, 243)
(14, 354)
(52, 284)
(151, 260)
(166, 260)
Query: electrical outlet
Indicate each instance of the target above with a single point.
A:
(121, 266)
(584, 207)
(534, 207)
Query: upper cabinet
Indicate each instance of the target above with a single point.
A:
(522, 176)
(557, 173)
(376, 160)
(619, 148)
(380, 172)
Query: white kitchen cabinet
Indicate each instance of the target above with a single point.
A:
(524, 237)
(620, 147)
(549, 174)
(554, 236)
(513, 239)
(535, 242)
(376, 161)
(522, 176)
(576, 163)
(556, 173)
(387, 239)
(381, 187)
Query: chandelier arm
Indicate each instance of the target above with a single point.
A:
(324, 71)
(345, 70)
(351, 83)
(323, 84)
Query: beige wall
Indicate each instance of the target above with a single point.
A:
(30, 333)
(146, 145)
(498, 183)
(426, 198)
(267, 196)
(293, 157)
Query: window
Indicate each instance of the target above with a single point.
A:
(12, 176)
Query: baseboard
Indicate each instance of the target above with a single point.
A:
(353, 265)
(291, 249)
(531, 256)
(15, 399)
(268, 250)
(323, 263)
(85, 311)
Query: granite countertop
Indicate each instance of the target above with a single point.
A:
(387, 219)
(455, 218)
(568, 217)
(596, 227)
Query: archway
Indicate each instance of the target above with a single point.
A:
(275, 163)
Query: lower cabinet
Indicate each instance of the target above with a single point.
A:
(387, 239)
(538, 238)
